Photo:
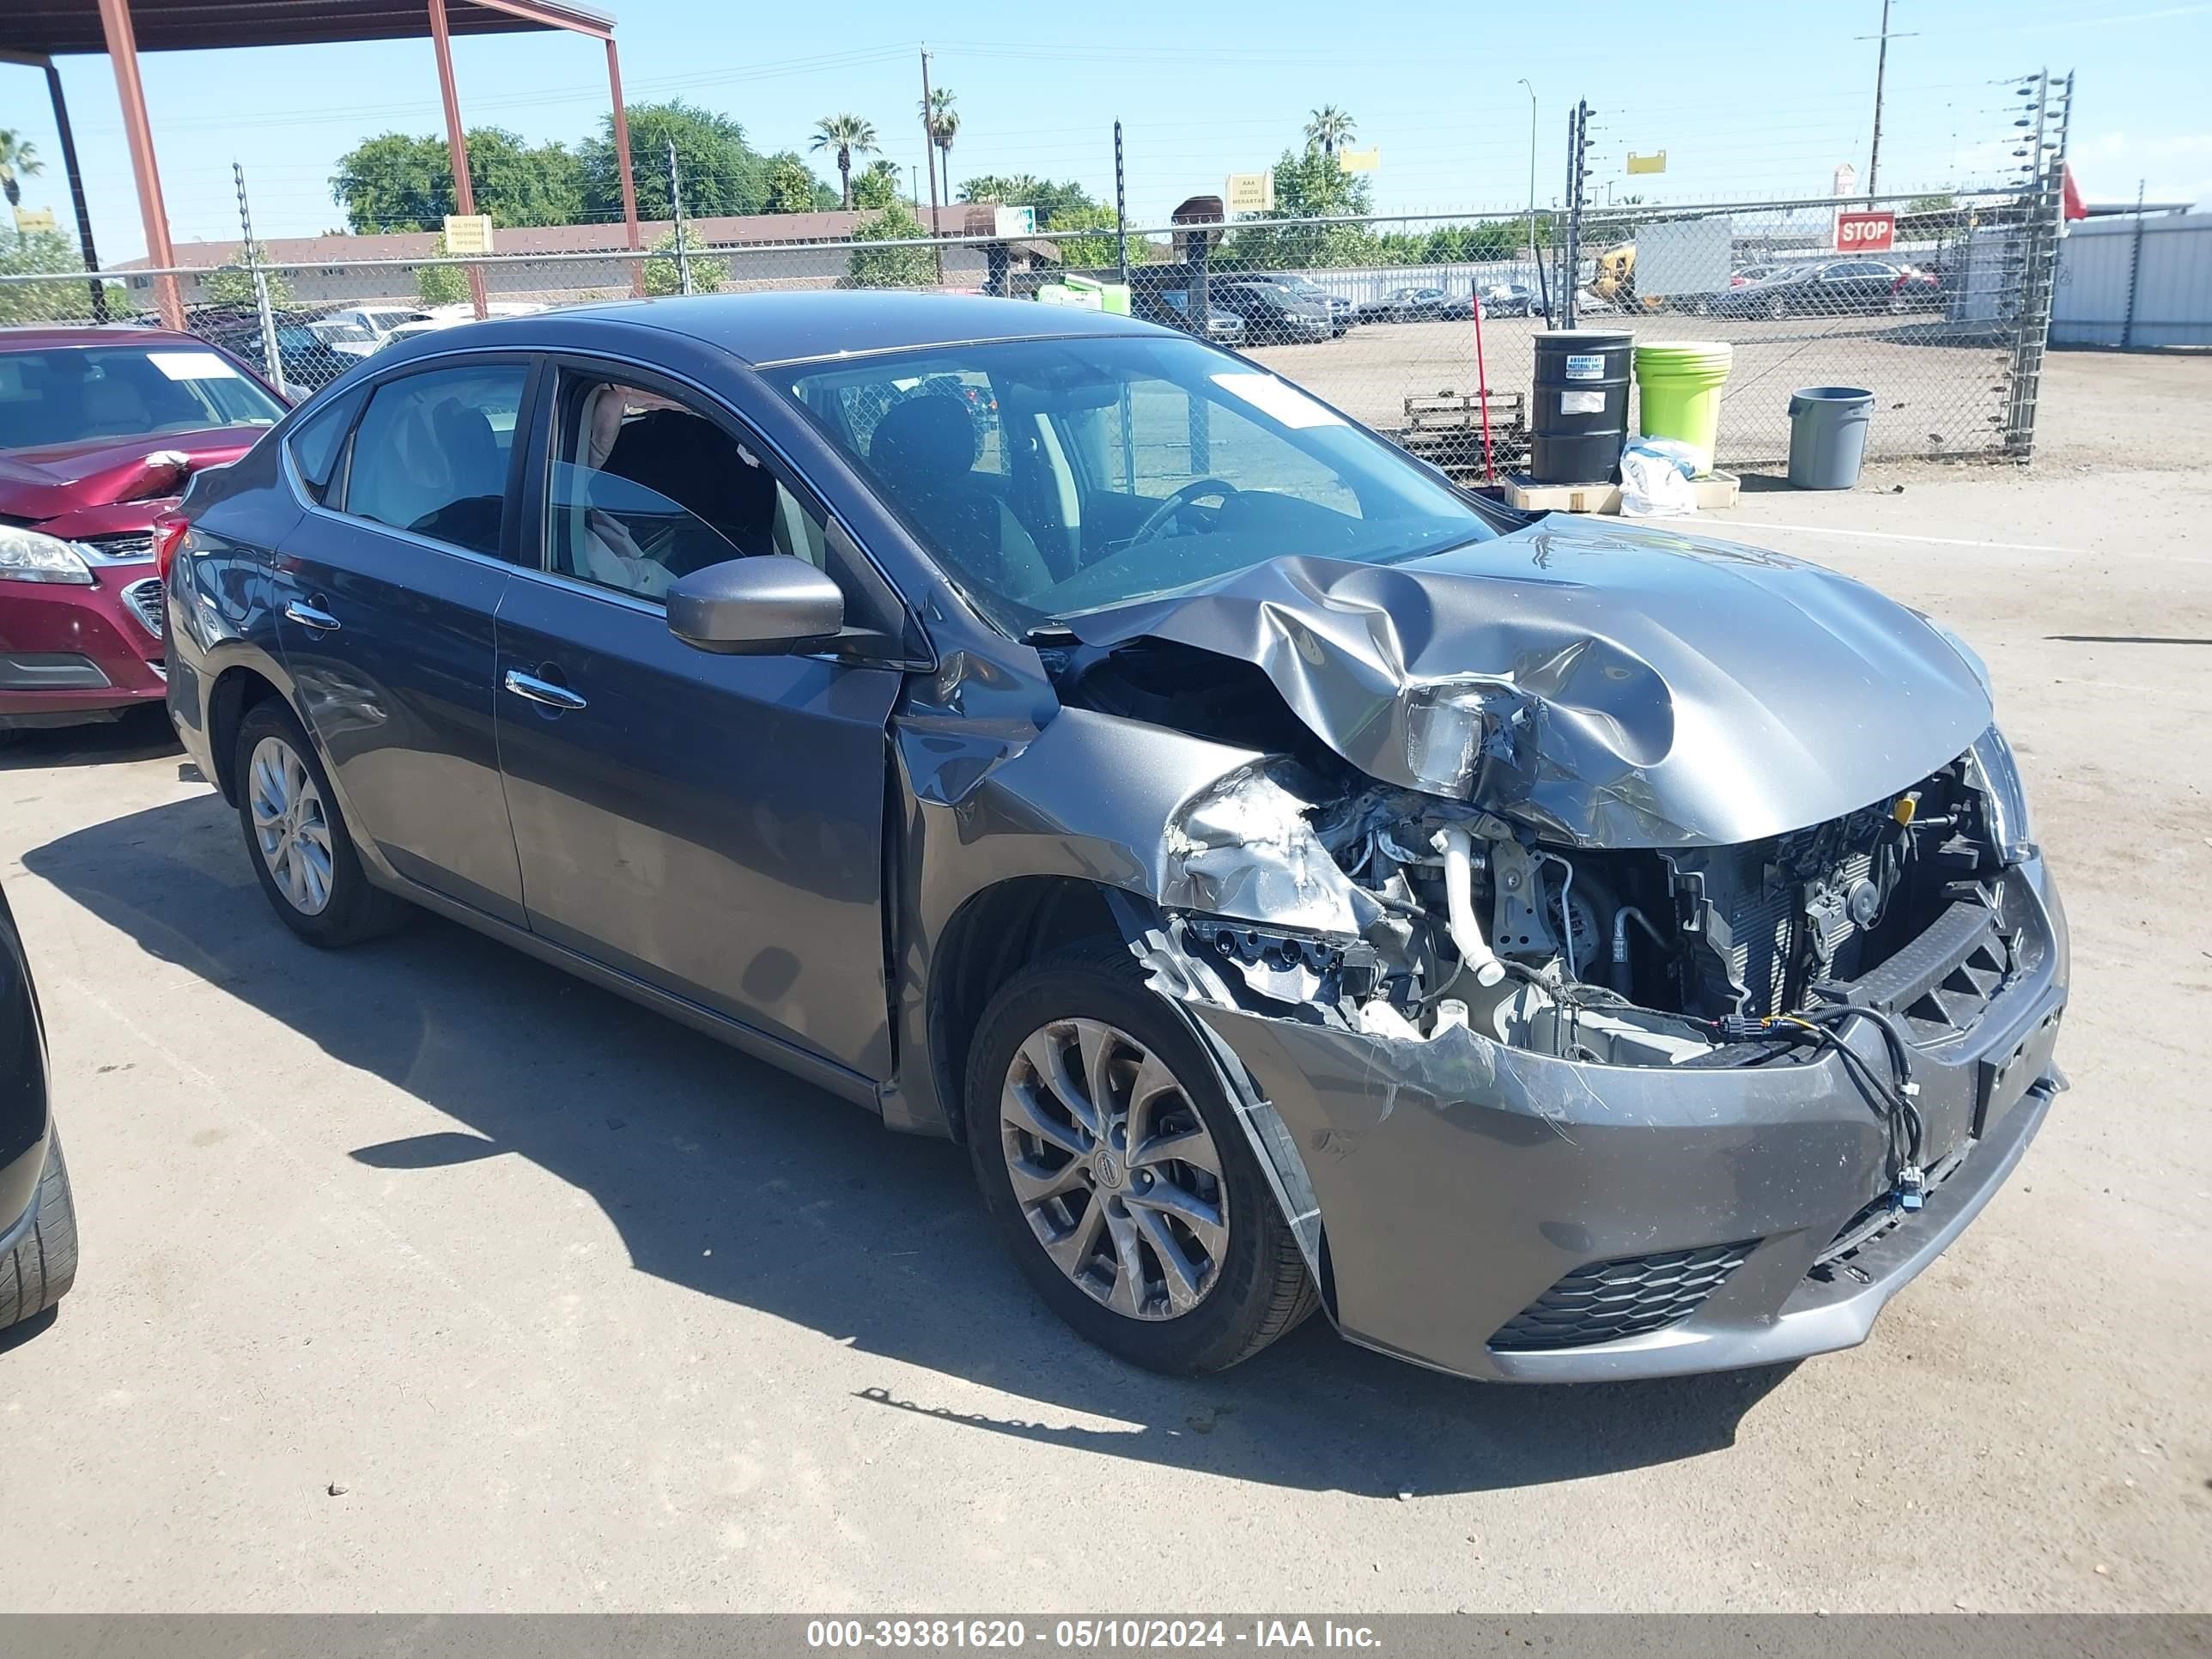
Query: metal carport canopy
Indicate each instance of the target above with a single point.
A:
(38, 31)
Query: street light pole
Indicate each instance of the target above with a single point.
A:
(1535, 254)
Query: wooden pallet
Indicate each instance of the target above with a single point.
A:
(1446, 431)
(1715, 490)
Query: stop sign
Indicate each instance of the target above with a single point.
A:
(1865, 233)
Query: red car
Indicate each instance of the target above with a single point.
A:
(99, 428)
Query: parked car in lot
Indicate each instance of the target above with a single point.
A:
(1298, 882)
(1836, 287)
(309, 361)
(1273, 313)
(100, 430)
(1171, 308)
(1342, 312)
(1411, 304)
(38, 1214)
(1512, 299)
(378, 322)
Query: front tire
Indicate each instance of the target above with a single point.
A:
(38, 1272)
(1118, 1173)
(297, 839)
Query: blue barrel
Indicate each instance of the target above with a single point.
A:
(1581, 418)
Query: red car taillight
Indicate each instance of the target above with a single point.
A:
(169, 536)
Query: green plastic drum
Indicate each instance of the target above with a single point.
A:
(1678, 391)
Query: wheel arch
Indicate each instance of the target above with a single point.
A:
(996, 933)
(236, 690)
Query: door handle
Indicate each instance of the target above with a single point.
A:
(544, 691)
(308, 617)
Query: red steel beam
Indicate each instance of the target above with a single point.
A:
(457, 143)
(122, 53)
(552, 17)
(623, 167)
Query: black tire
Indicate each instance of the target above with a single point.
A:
(354, 910)
(1261, 1290)
(37, 1273)
(1777, 309)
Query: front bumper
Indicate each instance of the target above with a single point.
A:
(70, 653)
(1462, 1186)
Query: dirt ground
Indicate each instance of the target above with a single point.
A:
(422, 1277)
(2096, 409)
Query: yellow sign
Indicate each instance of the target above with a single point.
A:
(1359, 160)
(468, 233)
(1647, 163)
(31, 222)
(1249, 192)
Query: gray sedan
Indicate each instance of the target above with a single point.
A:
(1554, 951)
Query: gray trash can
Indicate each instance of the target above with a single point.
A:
(1827, 435)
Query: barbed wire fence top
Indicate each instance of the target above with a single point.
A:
(1943, 322)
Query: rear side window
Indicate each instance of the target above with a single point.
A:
(431, 454)
(316, 443)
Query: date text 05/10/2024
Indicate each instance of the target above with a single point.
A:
(1085, 1634)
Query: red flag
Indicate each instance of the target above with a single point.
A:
(2072, 197)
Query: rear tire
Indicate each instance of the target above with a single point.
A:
(1234, 1287)
(38, 1272)
(296, 838)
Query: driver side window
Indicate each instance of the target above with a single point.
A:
(644, 489)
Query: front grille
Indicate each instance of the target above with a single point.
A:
(1628, 1297)
(144, 599)
(133, 544)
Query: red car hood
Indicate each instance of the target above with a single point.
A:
(68, 479)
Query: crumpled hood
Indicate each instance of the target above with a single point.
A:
(37, 484)
(1619, 686)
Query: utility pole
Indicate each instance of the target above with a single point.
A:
(1881, 74)
(1535, 254)
(929, 161)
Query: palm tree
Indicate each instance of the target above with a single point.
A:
(940, 121)
(1329, 127)
(849, 135)
(19, 160)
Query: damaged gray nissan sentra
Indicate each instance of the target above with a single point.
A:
(1560, 949)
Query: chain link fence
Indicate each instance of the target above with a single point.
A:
(1421, 326)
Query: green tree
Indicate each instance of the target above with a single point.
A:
(878, 187)
(441, 285)
(40, 253)
(790, 187)
(19, 160)
(941, 121)
(1053, 202)
(845, 137)
(891, 267)
(721, 173)
(398, 182)
(1330, 129)
(662, 275)
(1093, 252)
(232, 284)
(1942, 202)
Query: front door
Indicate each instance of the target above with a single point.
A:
(711, 825)
(384, 595)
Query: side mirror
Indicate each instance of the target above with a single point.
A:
(755, 607)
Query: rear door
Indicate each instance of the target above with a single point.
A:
(710, 825)
(385, 594)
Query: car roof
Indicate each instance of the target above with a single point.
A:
(801, 325)
(36, 337)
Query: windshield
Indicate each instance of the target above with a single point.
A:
(1054, 478)
(67, 395)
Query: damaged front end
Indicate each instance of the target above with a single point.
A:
(1562, 1080)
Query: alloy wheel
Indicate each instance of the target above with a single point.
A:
(291, 828)
(1114, 1168)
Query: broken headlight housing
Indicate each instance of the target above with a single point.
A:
(1995, 774)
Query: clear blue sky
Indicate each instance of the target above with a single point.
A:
(1748, 97)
